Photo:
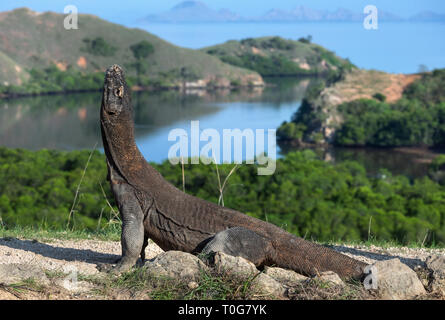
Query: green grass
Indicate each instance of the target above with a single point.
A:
(384, 244)
(209, 286)
(112, 233)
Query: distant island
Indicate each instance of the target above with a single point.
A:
(278, 57)
(198, 12)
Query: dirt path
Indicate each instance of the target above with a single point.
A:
(56, 255)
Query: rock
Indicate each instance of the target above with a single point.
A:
(224, 263)
(177, 265)
(394, 280)
(75, 286)
(436, 265)
(269, 286)
(16, 272)
(192, 285)
(331, 277)
(286, 277)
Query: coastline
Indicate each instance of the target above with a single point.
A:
(134, 89)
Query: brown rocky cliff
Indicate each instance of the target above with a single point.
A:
(358, 84)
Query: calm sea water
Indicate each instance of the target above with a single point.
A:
(72, 121)
(69, 122)
(394, 47)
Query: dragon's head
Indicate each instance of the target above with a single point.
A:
(116, 105)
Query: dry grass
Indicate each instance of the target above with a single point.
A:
(137, 285)
(363, 84)
(320, 290)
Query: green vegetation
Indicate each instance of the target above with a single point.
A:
(109, 232)
(99, 47)
(210, 286)
(436, 170)
(417, 119)
(52, 80)
(141, 51)
(308, 39)
(37, 189)
(305, 196)
(277, 65)
(380, 97)
(275, 56)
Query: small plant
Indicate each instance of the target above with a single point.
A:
(306, 40)
(141, 51)
(98, 47)
(380, 97)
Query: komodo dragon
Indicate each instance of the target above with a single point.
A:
(151, 207)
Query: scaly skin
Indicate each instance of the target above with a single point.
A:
(153, 208)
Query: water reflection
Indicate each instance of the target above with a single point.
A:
(411, 162)
(53, 122)
(68, 122)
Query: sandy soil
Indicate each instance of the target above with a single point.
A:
(57, 255)
(83, 256)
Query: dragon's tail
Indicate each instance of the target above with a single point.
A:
(310, 259)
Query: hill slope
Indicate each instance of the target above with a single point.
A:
(37, 40)
(372, 108)
(275, 56)
(10, 71)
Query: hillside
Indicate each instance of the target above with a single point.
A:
(275, 56)
(32, 40)
(320, 116)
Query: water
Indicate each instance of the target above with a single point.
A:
(69, 122)
(394, 47)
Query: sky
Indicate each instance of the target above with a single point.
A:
(129, 11)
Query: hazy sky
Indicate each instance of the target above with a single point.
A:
(126, 12)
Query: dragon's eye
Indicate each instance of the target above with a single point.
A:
(119, 92)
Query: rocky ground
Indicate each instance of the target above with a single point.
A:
(358, 84)
(31, 269)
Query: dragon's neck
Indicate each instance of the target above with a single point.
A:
(123, 154)
(120, 147)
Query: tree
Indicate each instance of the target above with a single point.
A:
(98, 47)
(306, 40)
(422, 68)
(141, 51)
